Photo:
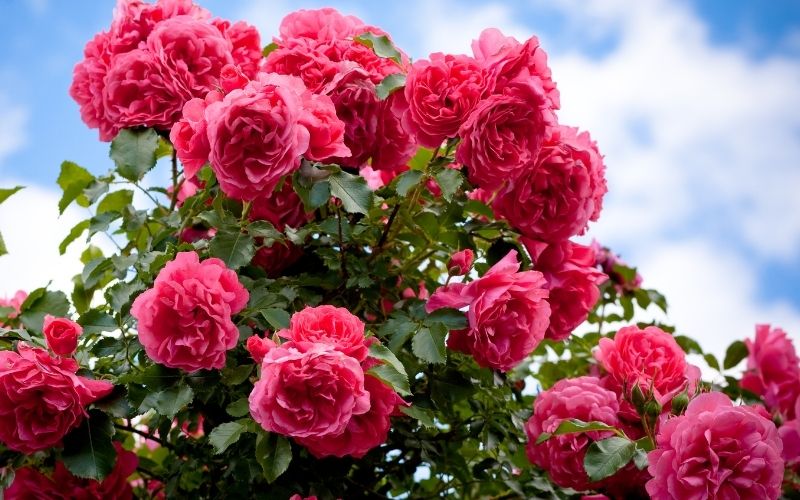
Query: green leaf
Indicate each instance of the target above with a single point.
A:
(169, 401)
(452, 318)
(274, 454)
(640, 459)
(115, 202)
(449, 180)
(134, 152)
(689, 345)
(606, 457)
(277, 318)
(76, 231)
(88, 450)
(319, 194)
(712, 361)
(428, 343)
(352, 190)
(120, 295)
(735, 354)
(424, 415)
(238, 408)
(235, 375)
(73, 179)
(94, 321)
(268, 49)
(225, 435)
(263, 229)
(234, 247)
(46, 302)
(406, 181)
(6, 193)
(3, 249)
(390, 84)
(396, 379)
(381, 45)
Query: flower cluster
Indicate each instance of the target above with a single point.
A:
(315, 386)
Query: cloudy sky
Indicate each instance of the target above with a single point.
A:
(696, 106)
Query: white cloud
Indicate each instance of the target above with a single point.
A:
(13, 120)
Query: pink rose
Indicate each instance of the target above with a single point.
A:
(246, 45)
(41, 398)
(184, 321)
(773, 370)
(364, 432)
(461, 262)
(716, 450)
(189, 137)
(61, 335)
(789, 433)
(647, 358)
(563, 192)
(88, 82)
(333, 326)
(134, 20)
(508, 314)
(308, 390)
(573, 281)
(502, 137)
(441, 93)
(506, 59)
(395, 144)
(258, 134)
(305, 58)
(30, 483)
(15, 302)
(320, 24)
(258, 347)
(562, 456)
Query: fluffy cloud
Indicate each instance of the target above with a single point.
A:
(13, 120)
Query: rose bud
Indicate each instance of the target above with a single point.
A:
(61, 335)
(258, 347)
(461, 262)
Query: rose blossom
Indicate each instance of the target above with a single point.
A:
(508, 314)
(308, 390)
(461, 262)
(716, 450)
(326, 324)
(647, 358)
(562, 456)
(506, 59)
(258, 347)
(61, 334)
(562, 192)
(773, 370)
(320, 24)
(441, 93)
(245, 42)
(258, 134)
(504, 134)
(573, 282)
(30, 483)
(184, 320)
(42, 398)
(789, 433)
(189, 136)
(364, 432)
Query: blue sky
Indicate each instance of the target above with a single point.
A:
(695, 105)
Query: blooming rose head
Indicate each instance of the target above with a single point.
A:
(773, 370)
(308, 390)
(189, 136)
(365, 431)
(320, 24)
(502, 137)
(461, 262)
(326, 324)
(245, 45)
(61, 334)
(573, 281)
(562, 192)
(258, 347)
(506, 59)
(647, 358)
(184, 321)
(441, 93)
(41, 398)
(88, 82)
(789, 433)
(562, 456)
(716, 450)
(508, 314)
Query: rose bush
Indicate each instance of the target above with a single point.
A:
(359, 282)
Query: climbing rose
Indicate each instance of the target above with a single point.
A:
(42, 398)
(61, 334)
(184, 321)
(773, 370)
(716, 450)
(326, 324)
(507, 317)
(461, 262)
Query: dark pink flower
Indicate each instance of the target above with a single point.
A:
(773, 370)
(258, 347)
(61, 334)
(461, 262)
(716, 450)
(326, 324)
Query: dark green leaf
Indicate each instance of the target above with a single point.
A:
(274, 453)
(3, 249)
(76, 231)
(235, 375)
(352, 190)
(169, 401)
(268, 49)
(712, 361)
(381, 45)
(34, 311)
(121, 294)
(238, 408)
(392, 378)
(278, 318)
(406, 181)
(88, 450)
(389, 84)
(73, 179)
(736, 352)
(449, 180)
(134, 152)
(95, 321)
(319, 194)
(115, 202)
(424, 415)
(452, 318)
(428, 343)
(605, 457)
(689, 345)
(6, 193)
(225, 435)
(234, 247)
